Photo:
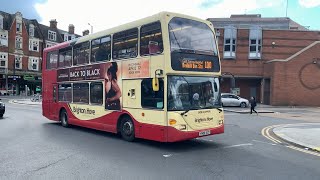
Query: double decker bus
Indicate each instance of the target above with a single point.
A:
(156, 78)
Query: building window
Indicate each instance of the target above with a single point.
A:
(65, 37)
(96, 93)
(19, 27)
(18, 42)
(255, 43)
(65, 93)
(1, 21)
(81, 53)
(3, 38)
(150, 98)
(151, 39)
(18, 62)
(31, 30)
(49, 44)
(3, 60)
(52, 35)
(34, 45)
(81, 93)
(101, 49)
(230, 38)
(125, 44)
(33, 64)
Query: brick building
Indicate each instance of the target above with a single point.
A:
(274, 59)
(21, 44)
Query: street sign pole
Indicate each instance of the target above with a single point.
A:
(6, 72)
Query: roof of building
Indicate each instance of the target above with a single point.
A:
(41, 31)
(45, 31)
(7, 20)
(248, 20)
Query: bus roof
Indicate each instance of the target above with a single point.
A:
(134, 24)
(124, 27)
(58, 46)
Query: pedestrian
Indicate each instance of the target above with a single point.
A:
(253, 104)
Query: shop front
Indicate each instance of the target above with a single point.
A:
(20, 84)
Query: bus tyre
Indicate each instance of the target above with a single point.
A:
(64, 118)
(127, 129)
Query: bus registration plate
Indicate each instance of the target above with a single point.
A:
(204, 133)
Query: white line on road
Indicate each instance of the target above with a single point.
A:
(167, 155)
(264, 142)
(238, 145)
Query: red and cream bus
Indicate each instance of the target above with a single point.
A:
(156, 78)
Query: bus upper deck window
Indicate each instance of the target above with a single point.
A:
(151, 39)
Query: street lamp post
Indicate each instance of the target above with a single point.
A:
(91, 27)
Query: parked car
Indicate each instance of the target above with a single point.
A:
(2, 108)
(229, 99)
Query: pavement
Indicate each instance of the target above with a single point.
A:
(25, 100)
(306, 135)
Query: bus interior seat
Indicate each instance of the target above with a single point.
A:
(153, 47)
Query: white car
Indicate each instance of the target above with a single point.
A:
(229, 99)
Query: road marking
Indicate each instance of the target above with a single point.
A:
(263, 132)
(238, 145)
(167, 155)
(275, 140)
(305, 151)
(266, 134)
(264, 142)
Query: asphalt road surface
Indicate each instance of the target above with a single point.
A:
(32, 147)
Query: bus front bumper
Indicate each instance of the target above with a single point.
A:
(175, 135)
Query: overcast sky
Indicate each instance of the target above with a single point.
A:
(103, 14)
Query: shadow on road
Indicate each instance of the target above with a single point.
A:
(177, 147)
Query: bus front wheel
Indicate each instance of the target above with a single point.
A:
(127, 129)
(64, 118)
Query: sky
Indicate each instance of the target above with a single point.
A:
(103, 14)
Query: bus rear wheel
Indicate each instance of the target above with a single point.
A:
(64, 118)
(127, 129)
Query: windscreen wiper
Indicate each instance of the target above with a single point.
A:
(185, 50)
(185, 112)
(219, 109)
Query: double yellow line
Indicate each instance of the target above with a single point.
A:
(305, 151)
(265, 132)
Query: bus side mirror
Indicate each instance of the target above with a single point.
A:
(155, 84)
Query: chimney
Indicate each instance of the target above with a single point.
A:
(71, 29)
(53, 23)
(85, 32)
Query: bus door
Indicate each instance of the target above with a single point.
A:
(53, 108)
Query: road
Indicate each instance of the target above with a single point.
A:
(32, 147)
